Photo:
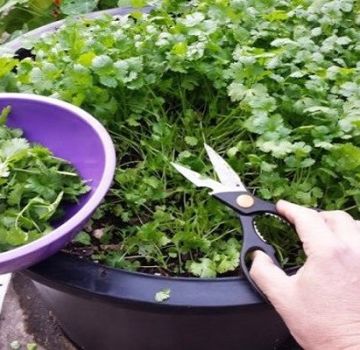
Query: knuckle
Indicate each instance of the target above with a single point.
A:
(336, 250)
(337, 215)
(304, 216)
(309, 212)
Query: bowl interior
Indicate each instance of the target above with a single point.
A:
(66, 135)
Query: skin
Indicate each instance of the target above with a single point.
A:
(320, 304)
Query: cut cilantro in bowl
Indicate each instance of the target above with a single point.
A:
(33, 186)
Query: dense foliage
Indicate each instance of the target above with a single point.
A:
(33, 185)
(272, 85)
(19, 16)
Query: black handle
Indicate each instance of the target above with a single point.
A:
(252, 242)
(259, 206)
(247, 208)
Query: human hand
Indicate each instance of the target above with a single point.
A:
(320, 304)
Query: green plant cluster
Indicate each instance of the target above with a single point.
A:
(20, 16)
(272, 85)
(33, 184)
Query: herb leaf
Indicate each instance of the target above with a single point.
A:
(162, 295)
(33, 184)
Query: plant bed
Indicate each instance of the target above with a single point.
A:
(274, 88)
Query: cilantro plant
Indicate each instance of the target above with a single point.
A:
(19, 16)
(33, 184)
(272, 85)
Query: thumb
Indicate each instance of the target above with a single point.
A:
(268, 277)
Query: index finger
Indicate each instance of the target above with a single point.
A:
(309, 224)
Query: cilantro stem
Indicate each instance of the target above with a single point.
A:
(27, 171)
(66, 173)
(219, 237)
(132, 256)
(20, 214)
(351, 207)
(59, 159)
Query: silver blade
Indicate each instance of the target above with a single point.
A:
(199, 180)
(227, 176)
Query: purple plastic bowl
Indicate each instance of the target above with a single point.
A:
(72, 134)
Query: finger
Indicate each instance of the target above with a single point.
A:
(268, 277)
(309, 224)
(341, 223)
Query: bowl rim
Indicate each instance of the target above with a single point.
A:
(95, 198)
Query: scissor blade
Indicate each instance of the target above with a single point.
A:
(227, 176)
(197, 179)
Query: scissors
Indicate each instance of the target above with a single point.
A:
(232, 192)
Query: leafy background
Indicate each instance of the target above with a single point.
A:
(274, 86)
(19, 16)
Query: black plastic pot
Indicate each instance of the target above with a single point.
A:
(101, 308)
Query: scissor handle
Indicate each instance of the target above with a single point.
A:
(258, 206)
(252, 242)
(247, 208)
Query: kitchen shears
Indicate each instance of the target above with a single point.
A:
(231, 191)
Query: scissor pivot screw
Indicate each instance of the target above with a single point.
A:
(245, 201)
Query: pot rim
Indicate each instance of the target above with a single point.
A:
(76, 276)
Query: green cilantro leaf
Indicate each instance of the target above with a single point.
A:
(73, 7)
(83, 238)
(162, 295)
(4, 115)
(206, 268)
(191, 140)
